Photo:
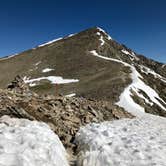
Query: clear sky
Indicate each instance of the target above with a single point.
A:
(139, 24)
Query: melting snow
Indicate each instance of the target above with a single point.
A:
(29, 143)
(47, 70)
(71, 95)
(137, 84)
(52, 79)
(128, 142)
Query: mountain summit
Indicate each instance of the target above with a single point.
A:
(91, 64)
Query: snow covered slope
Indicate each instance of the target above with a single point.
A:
(128, 142)
(29, 143)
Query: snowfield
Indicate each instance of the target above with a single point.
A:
(127, 142)
(29, 143)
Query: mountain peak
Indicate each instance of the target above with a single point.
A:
(99, 31)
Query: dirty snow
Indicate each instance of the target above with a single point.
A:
(137, 84)
(52, 79)
(127, 142)
(29, 143)
(46, 70)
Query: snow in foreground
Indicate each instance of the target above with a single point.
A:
(29, 143)
(128, 142)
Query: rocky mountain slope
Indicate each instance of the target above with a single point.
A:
(81, 85)
(76, 64)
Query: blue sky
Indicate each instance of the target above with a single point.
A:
(139, 24)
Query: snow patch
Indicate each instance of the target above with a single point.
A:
(128, 142)
(102, 40)
(71, 95)
(50, 42)
(46, 70)
(37, 63)
(52, 79)
(29, 143)
(98, 33)
(126, 100)
(93, 52)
